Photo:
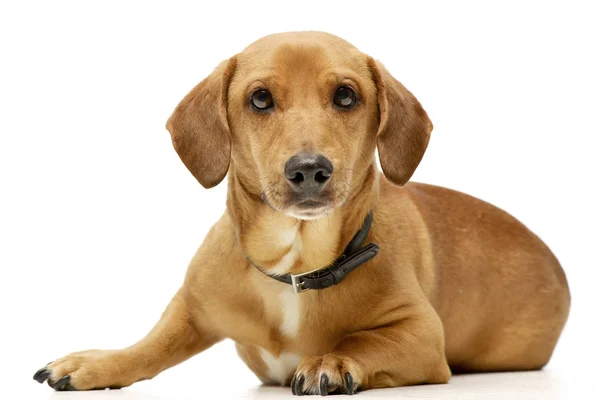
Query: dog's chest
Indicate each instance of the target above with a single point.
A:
(307, 247)
(298, 246)
(279, 367)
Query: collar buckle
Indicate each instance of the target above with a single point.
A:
(298, 284)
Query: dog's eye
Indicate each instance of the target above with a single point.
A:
(261, 100)
(344, 97)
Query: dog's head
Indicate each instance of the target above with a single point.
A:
(299, 115)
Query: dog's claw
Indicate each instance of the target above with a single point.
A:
(41, 375)
(324, 385)
(349, 383)
(293, 385)
(299, 386)
(63, 384)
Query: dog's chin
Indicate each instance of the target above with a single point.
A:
(308, 210)
(307, 215)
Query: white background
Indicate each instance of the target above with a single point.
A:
(99, 218)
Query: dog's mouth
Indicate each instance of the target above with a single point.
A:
(305, 203)
(300, 207)
(310, 204)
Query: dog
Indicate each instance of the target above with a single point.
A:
(329, 275)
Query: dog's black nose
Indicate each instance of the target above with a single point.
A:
(308, 171)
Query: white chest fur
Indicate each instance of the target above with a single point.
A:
(290, 311)
(280, 368)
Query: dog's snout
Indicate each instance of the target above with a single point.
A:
(308, 171)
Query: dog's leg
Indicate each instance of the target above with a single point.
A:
(173, 340)
(406, 352)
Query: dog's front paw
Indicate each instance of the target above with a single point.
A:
(92, 369)
(326, 374)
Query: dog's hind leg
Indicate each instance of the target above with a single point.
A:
(173, 340)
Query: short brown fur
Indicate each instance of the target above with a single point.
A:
(457, 284)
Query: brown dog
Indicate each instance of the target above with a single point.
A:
(295, 119)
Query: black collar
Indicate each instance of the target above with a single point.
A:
(354, 255)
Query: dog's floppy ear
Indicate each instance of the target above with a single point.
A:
(199, 127)
(404, 126)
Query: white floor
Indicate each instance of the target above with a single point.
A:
(218, 373)
(512, 386)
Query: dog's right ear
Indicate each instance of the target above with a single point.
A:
(199, 127)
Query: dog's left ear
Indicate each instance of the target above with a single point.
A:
(404, 126)
(199, 127)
